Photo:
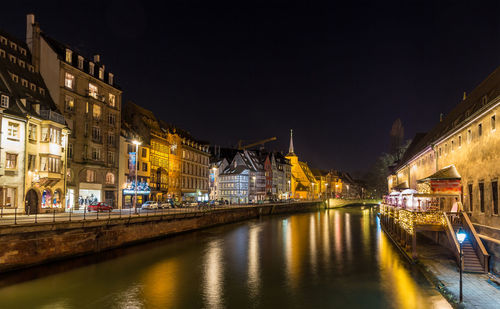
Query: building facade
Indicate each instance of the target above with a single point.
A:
(86, 94)
(195, 162)
(303, 183)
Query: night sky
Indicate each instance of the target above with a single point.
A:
(339, 74)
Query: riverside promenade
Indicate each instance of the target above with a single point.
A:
(479, 291)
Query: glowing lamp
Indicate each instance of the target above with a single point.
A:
(461, 235)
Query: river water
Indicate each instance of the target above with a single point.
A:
(326, 259)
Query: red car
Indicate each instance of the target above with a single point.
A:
(99, 207)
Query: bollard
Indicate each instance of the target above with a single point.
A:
(15, 216)
(54, 216)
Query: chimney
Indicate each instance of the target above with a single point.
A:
(441, 117)
(33, 40)
(465, 96)
(97, 58)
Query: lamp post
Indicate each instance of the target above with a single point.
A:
(461, 235)
(136, 143)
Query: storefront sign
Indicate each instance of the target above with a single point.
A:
(140, 192)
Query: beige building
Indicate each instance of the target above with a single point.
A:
(86, 94)
(195, 161)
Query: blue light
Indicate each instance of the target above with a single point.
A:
(461, 235)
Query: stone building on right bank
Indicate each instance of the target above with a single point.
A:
(468, 137)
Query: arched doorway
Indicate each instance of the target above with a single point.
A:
(31, 205)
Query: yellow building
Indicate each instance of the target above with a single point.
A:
(304, 185)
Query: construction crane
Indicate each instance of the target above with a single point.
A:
(262, 142)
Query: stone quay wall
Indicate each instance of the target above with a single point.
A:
(28, 245)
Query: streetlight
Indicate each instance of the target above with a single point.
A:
(461, 235)
(136, 143)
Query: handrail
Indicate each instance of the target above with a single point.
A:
(452, 237)
(477, 244)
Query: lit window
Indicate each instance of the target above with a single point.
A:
(10, 160)
(69, 80)
(4, 101)
(80, 62)
(33, 87)
(101, 73)
(110, 78)
(90, 176)
(31, 162)
(13, 130)
(112, 99)
(93, 91)
(96, 112)
(12, 59)
(69, 55)
(24, 82)
(69, 103)
(110, 178)
(493, 124)
(32, 132)
(8, 197)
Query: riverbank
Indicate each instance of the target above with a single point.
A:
(28, 245)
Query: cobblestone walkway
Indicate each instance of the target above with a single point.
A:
(478, 290)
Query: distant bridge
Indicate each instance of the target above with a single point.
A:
(339, 202)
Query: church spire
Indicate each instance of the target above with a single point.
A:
(290, 150)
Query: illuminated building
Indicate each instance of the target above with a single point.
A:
(195, 161)
(303, 183)
(85, 92)
(34, 135)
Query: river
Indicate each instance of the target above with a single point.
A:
(327, 259)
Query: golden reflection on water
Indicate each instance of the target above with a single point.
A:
(159, 284)
(253, 262)
(213, 275)
(338, 236)
(326, 237)
(312, 245)
(366, 229)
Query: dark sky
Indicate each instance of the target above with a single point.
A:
(339, 73)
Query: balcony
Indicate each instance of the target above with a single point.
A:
(51, 115)
(96, 96)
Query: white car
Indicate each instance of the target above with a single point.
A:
(150, 205)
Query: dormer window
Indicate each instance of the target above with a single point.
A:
(15, 78)
(80, 62)
(31, 68)
(4, 101)
(21, 64)
(23, 51)
(12, 59)
(110, 78)
(33, 87)
(91, 68)
(13, 45)
(69, 55)
(3, 40)
(101, 73)
(24, 82)
(2, 53)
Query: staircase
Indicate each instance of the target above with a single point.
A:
(475, 256)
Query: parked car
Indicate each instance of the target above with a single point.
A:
(166, 205)
(150, 205)
(100, 206)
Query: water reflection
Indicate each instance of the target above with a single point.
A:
(213, 276)
(335, 258)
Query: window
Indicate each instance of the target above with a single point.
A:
(12, 59)
(32, 132)
(460, 141)
(469, 136)
(86, 107)
(55, 135)
(69, 80)
(23, 51)
(481, 196)
(111, 157)
(144, 152)
(144, 167)
(13, 45)
(2, 53)
(494, 196)
(33, 87)
(10, 160)
(13, 130)
(101, 73)
(85, 151)
(493, 124)
(80, 62)
(112, 119)
(96, 112)
(452, 145)
(90, 176)
(8, 197)
(4, 101)
(15, 78)
(112, 100)
(22, 64)
(479, 130)
(86, 130)
(41, 90)
(70, 150)
(470, 198)
(440, 151)
(69, 103)
(52, 165)
(93, 91)
(96, 134)
(110, 78)
(24, 82)
(31, 162)
(110, 178)
(111, 139)
(91, 68)
(45, 134)
(69, 55)
(96, 154)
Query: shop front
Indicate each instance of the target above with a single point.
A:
(89, 193)
(143, 192)
(197, 196)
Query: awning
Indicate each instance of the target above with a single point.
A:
(447, 173)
